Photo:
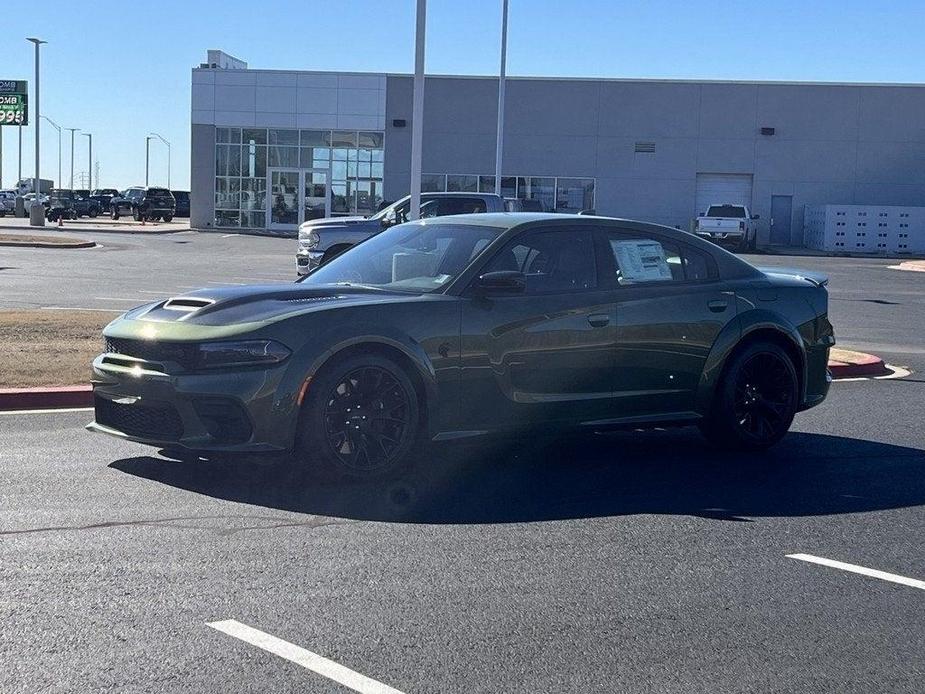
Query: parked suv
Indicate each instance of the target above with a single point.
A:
(85, 204)
(322, 239)
(182, 198)
(60, 205)
(148, 204)
(7, 202)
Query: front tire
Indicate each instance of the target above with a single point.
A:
(167, 217)
(755, 401)
(361, 419)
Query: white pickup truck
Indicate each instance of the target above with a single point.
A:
(728, 224)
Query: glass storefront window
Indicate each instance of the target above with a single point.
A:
(538, 188)
(433, 183)
(244, 155)
(462, 184)
(574, 194)
(283, 137)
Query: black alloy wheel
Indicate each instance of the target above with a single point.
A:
(361, 418)
(755, 401)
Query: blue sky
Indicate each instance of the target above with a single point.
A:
(126, 73)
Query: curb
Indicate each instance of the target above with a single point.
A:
(41, 244)
(856, 365)
(100, 230)
(45, 398)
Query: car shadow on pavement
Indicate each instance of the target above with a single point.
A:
(666, 472)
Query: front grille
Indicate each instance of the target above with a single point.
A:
(184, 353)
(160, 422)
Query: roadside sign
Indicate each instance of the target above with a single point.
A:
(14, 100)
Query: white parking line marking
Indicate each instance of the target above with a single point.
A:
(49, 411)
(300, 656)
(81, 308)
(114, 298)
(225, 284)
(863, 570)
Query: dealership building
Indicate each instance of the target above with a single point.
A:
(273, 147)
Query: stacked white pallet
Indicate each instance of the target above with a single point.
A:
(865, 228)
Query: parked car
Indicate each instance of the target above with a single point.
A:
(322, 239)
(104, 197)
(728, 224)
(60, 205)
(182, 198)
(85, 204)
(148, 204)
(7, 202)
(458, 326)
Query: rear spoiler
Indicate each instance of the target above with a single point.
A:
(817, 278)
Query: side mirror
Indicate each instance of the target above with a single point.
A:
(501, 282)
(756, 216)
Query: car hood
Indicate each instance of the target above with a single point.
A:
(222, 311)
(340, 222)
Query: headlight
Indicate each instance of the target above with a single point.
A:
(213, 355)
(308, 238)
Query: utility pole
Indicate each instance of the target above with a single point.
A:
(58, 128)
(147, 157)
(417, 111)
(19, 172)
(168, 156)
(89, 137)
(72, 155)
(34, 219)
(499, 144)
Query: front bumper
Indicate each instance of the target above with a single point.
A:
(306, 261)
(221, 411)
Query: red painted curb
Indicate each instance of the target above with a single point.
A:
(869, 366)
(45, 398)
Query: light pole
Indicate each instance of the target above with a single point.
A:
(168, 156)
(499, 144)
(417, 111)
(37, 219)
(19, 171)
(73, 130)
(147, 157)
(89, 137)
(58, 128)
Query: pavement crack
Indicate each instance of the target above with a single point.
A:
(192, 523)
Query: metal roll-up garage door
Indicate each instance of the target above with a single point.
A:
(718, 189)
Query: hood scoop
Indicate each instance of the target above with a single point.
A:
(186, 304)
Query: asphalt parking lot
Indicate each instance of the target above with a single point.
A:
(639, 562)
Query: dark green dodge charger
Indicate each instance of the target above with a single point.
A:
(459, 326)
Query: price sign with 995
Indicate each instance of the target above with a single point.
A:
(14, 109)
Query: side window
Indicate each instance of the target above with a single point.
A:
(459, 205)
(552, 261)
(639, 259)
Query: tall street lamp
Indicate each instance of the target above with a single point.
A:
(147, 157)
(34, 218)
(168, 156)
(89, 137)
(58, 128)
(73, 130)
(499, 143)
(417, 110)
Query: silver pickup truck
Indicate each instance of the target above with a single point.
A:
(728, 225)
(322, 239)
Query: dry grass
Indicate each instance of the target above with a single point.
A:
(49, 348)
(31, 238)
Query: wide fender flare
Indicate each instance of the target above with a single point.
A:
(311, 358)
(744, 325)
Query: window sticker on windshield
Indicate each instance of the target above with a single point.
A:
(641, 261)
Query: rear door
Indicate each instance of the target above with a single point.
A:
(547, 354)
(670, 308)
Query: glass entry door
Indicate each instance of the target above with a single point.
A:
(296, 195)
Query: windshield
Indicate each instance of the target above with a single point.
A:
(735, 211)
(411, 257)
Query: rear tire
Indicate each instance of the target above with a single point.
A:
(93, 213)
(361, 419)
(167, 217)
(755, 400)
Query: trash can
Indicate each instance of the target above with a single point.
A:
(37, 214)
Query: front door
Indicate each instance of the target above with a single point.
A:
(297, 195)
(781, 214)
(544, 355)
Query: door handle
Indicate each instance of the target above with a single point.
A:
(718, 305)
(598, 320)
